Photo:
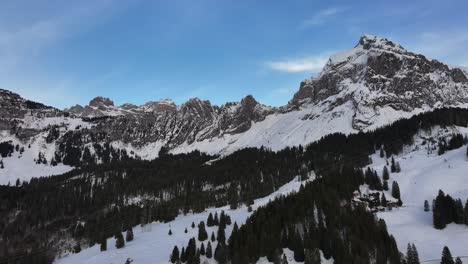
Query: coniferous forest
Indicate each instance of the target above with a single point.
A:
(37, 217)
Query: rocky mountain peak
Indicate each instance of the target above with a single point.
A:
(368, 42)
(378, 76)
(100, 101)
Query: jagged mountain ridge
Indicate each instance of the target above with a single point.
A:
(371, 85)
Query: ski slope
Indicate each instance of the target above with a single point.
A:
(156, 245)
(421, 178)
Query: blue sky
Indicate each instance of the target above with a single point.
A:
(67, 52)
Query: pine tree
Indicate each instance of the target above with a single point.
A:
(185, 231)
(209, 221)
(213, 238)
(215, 219)
(312, 256)
(466, 213)
(382, 152)
(202, 249)
(103, 244)
(395, 190)
(77, 247)
(426, 206)
(175, 255)
(193, 224)
(415, 254)
(284, 260)
(202, 234)
(129, 235)
(458, 261)
(393, 166)
(209, 251)
(170, 232)
(383, 200)
(459, 212)
(221, 235)
(385, 185)
(119, 240)
(183, 256)
(385, 174)
(446, 256)
(220, 253)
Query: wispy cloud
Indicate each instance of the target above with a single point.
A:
(24, 45)
(306, 64)
(321, 17)
(447, 46)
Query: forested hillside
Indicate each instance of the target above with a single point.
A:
(49, 215)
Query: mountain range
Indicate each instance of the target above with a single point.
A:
(371, 85)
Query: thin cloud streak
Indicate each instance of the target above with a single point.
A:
(321, 17)
(308, 64)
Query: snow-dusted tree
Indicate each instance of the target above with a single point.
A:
(458, 261)
(119, 240)
(129, 235)
(312, 256)
(446, 256)
(426, 206)
(395, 190)
(385, 174)
(175, 255)
(103, 244)
(202, 234)
(209, 251)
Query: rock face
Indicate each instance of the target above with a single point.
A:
(378, 74)
(373, 84)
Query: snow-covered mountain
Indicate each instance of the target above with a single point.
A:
(368, 86)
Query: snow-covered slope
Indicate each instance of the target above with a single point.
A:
(155, 246)
(423, 175)
(373, 84)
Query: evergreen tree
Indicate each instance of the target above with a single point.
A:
(170, 232)
(284, 260)
(193, 224)
(459, 212)
(220, 254)
(119, 240)
(446, 256)
(382, 152)
(175, 255)
(213, 238)
(202, 234)
(466, 213)
(415, 254)
(209, 221)
(129, 235)
(393, 166)
(221, 235)
(395, 190)
(385, 185)
(312, 256)
(202, 249)
(383, 200)
(185, 231)
(103, 244)
(458, 261)
(209, 251)
(426, 206)
(397, 167)
(77, 247)
(183, 256)
(385, 174)
(215, 219)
